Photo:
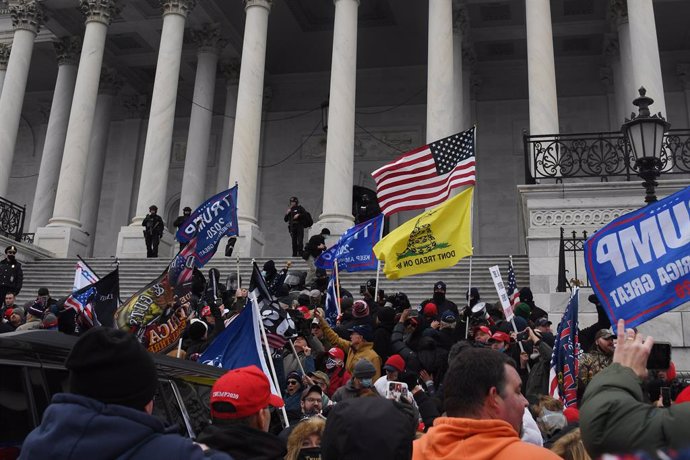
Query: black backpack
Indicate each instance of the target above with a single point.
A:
(307, 220)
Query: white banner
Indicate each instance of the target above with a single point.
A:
(501, 290)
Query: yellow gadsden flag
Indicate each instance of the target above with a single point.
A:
(435, 239)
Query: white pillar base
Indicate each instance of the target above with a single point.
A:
(63, 241)
(131, 244)
(336, 224)
(250, 243)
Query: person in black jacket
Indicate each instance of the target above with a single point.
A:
(294, 217)
(153, 231)
(186, 212)
(240, 402)
(11, 274)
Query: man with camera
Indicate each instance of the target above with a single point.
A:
(613, 414)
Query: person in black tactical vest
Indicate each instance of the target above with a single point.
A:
(294, 217)
(11, 274)
(186, 212)
(153, 231)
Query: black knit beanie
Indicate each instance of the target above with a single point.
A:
(111, 366)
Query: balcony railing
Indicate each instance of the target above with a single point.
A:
(597, 155)
(11, 219)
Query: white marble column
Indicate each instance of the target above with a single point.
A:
(109, 87)
(340, 140)
(67, 50)
(683, 72)
(231, 72)
(541, 70)
(27, 16)
(64, 234)
(244, 167)
(194, 176)
(646, 63)
(629, 92)
(153, 183)
(439, 113)
(4, 57)
(459, 26)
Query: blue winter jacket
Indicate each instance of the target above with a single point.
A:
(77, 427)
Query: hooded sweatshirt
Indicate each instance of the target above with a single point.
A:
(471, 439)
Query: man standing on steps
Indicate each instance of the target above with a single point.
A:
(186, 212)
(294, 217)
(11, 274)
(153, 231)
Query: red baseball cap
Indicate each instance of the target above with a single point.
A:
(500, 337)
(305, 312)
(206, 311)
(430, 309)
(485, 330)
(336, 353)
(241, 393)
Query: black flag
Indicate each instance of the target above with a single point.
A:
(107, 298)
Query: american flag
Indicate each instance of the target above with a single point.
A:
(512, 283)
(81, 302)
(566, 356)
(182, 266)
(425, 176)
(277, 322)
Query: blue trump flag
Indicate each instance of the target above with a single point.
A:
(355, 248)
(639, 264)
(214, 219)
(566, 356)
(239, 345)
(331, 307)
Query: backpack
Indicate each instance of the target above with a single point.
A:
(307, 220)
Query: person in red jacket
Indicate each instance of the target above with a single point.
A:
(335, 366)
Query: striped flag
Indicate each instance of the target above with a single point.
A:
(83, 276)
(82, 303)
(512, 282)
(182, 266)
(566, 356)
(424, 177)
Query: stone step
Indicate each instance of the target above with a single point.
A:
(58, 274)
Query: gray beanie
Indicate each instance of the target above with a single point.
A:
(364, 369)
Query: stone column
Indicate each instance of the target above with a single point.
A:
(470, 82)
(439, 113)
(64, 234)
(4, 57)
(459, 27)
(231, 72)
(607, 81)
(67, 51)
(541, 70)
(683, 72)
(340, 139)
(613, 60)
(646, 63)
(619, 12)
(196, 157)
(244, 167)
(27, 16)
(109, 87)
(153, 184)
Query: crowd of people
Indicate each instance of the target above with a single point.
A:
(448, 378)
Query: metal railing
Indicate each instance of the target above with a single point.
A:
(11, 219)
(573, 263)
(597, 155)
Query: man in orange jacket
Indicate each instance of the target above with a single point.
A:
(484, 408)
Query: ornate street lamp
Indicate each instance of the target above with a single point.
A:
(645, 135)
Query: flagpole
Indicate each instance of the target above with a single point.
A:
(301, 368)
(237, 263)
(337, 285)
(469, 290)
(378, 271)
(274, 374)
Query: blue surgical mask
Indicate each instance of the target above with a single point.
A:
(366, 383)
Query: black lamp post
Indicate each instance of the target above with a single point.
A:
(645, 135)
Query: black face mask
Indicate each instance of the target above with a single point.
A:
(439, 298)
(310, 453)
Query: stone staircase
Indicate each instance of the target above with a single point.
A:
(58, 275)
